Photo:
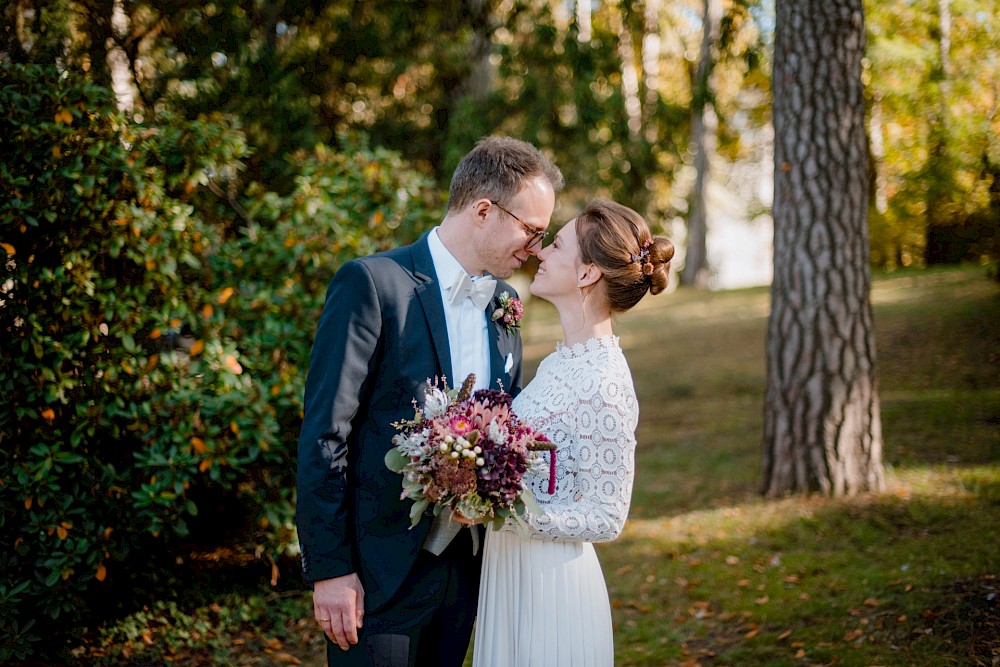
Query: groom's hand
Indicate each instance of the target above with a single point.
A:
(339, 607)
(458, 517)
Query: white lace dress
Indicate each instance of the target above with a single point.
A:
(543, 601)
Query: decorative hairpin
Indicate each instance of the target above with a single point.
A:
(643, 257)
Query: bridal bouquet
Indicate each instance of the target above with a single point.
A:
(468, 451)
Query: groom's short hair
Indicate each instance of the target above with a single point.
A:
(496, 169)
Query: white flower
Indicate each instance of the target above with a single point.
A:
(496, 433)
(412, 444)
(435, 403)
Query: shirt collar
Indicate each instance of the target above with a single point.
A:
(448, 268)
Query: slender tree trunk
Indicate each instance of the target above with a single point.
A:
(822, 428)
(877, 138)
(98, 15)
(583, 29)
(630, 75)
(651, 69)
(704, 132)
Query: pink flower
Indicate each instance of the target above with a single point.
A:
(461, 425)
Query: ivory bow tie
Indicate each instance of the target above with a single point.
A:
(479, 290)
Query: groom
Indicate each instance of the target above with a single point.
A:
(385, 594)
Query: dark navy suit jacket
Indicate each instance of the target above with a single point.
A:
(382, 334)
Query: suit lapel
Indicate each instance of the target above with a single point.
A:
(501, 343)
(429, 295)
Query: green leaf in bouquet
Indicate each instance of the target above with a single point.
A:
(472, 437)
(530, 504)
(417, 511)
(395, 460)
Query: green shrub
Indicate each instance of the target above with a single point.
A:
(156, 323)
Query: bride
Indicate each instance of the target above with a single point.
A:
(543, 600)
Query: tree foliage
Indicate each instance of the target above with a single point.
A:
(156, 340)
(938, 123)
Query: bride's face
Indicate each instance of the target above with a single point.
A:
(559, 264)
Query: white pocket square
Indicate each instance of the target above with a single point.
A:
(509, 364)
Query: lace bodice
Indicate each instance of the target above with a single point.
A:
(583, 399)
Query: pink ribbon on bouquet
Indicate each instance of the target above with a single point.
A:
(552, 471)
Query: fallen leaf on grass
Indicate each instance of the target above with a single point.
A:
(853, 634)
(753, 633)
(784, 635)
(762, 600)
(801, 653)
(287, 658)
(743, 582)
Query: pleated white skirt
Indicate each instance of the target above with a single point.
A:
(542, 604)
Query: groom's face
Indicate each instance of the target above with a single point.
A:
(503, 245)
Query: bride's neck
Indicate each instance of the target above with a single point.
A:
(584, 320)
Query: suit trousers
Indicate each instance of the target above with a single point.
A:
(428, 622)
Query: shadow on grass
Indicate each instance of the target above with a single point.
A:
(896, 578)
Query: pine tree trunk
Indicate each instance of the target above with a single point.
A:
(822, 428)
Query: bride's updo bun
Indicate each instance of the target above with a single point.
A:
(618, 241)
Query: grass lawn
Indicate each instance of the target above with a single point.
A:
(709, 573)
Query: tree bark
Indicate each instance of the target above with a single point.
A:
(704, 133)
(822, 427)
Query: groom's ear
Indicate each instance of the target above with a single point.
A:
(588, 274)
(480, 209)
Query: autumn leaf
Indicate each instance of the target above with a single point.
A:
(102, 572)
(234, 427)
(233, 366)
(64, 116)
(28, 502)
(205, 465)
(49, 414)
(287, 658)
(225, 295)
(62, 533)
(852, 635)
(762, 600)
(196, 349)
(801, 653)
(8, 248)
(784, 635)
(199, 445)
(207, 310)
(155, 333)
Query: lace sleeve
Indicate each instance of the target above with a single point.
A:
(595, 462)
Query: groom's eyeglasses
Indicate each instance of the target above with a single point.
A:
(535, 236)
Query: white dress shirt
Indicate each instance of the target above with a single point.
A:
(466, 323)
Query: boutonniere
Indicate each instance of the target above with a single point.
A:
(509, 313)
